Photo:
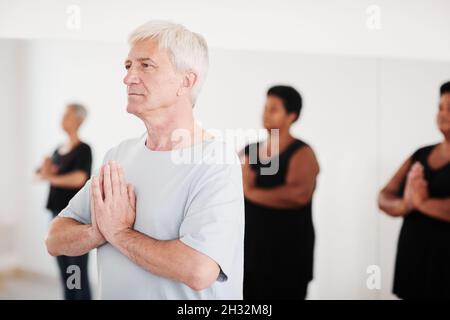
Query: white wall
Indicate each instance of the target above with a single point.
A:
(13, 155)
(409, 28)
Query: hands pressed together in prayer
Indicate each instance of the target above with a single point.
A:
(113, 203)
(416, 189)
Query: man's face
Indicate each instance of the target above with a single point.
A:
(152, 81)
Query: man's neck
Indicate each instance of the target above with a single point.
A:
(172, 128)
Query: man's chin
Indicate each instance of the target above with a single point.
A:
(132, 108)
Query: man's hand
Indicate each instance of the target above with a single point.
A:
(94, 226)
(113, 202)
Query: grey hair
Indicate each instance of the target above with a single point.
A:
(80, 110)
(188, 50)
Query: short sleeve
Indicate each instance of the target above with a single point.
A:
(214, 221)
(79, 207)
(83, 160)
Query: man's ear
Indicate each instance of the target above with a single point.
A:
(189, 80)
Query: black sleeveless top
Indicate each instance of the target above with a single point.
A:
(79, 158)
(279, 243)
(422, 267)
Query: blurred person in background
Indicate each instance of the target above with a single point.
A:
(279, 231)
(67, 170)
(419, 192)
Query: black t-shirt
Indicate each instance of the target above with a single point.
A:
(79, 158)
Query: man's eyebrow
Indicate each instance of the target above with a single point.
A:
(141, 59)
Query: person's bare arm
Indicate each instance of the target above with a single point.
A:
(300, 183)
(388, 199)
(170, 259)
(75, 179)
(436, 208)
(69, 237)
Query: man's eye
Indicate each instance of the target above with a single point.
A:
(127, 66)
(145, 65)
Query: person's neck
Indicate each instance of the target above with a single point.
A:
(172, 128)
(278, 141)
(282, 137)
(446, 144)
(73, 139)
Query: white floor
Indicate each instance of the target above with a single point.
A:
(20, 285)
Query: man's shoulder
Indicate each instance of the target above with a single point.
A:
(220, 151)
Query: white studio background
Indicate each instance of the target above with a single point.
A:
(362, 116)
(385, 28)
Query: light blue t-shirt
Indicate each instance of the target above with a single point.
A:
(193, 194)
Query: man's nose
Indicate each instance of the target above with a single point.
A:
(130, 78)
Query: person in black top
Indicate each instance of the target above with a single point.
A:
(67, 170)
(279, 181)
(420, 193)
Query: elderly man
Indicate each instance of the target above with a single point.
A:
(164, 228)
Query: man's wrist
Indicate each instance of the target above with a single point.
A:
(118, 236)
(96, 236)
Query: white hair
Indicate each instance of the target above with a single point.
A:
(187, 50)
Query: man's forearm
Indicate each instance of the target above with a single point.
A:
(436, 208)
(166, 258)
(71, 238)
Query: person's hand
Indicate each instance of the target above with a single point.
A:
(416, 190)
(96, 234)
(116, 210)
(47, 169)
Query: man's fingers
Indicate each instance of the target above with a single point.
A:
(123, 183)
(100, 181)
(96, 194)
(115, 183)
(131, 196)
(107, 182)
